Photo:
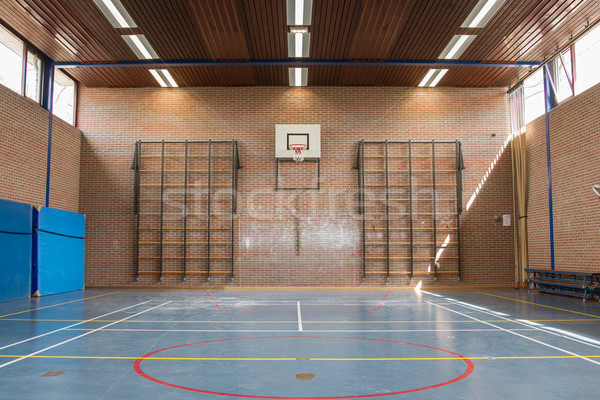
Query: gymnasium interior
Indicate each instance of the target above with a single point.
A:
(299, 199)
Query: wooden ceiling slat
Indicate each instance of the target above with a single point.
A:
(440, 34)
(13, 15)
(417, 16)
(340, 30)
(507, 21)
(378, 29)
(529, 34)
(556, 37)
(58, 20)
(166, 46)
(99, 27)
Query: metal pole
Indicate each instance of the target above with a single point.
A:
(387, 211)
(410, 202)
(137, 211)
(364, 231)
(208, 212)
(235, 178)
(434, 212)
(136, 178)
(185, 195)
(162, 191)
(360, 193)
(297, 222)
(458, 197)
(49, 105)
(277, 174)
(233, 190)
(549, 103)
(318, 174)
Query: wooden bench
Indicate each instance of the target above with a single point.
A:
(579, 284)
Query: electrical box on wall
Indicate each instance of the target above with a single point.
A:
(286, 135)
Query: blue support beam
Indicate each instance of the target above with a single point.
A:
(549, 103)
(297, 63)
(47, 103)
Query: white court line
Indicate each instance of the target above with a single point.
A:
(517, 334)
(311, 331)
(80, 336)
(70, 326)
(299, 318)
(539, 327)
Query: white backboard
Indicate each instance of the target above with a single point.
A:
(297, 134)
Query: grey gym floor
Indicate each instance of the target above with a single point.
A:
(299, 344)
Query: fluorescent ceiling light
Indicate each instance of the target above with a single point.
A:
(114, 11)
(298, 76)
(458, 44)
(427, 78)
(433, 77)
(164, 78)
(483, 11)
(140, 46)
(299, 12)
(298, 44)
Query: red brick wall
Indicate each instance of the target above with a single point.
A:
(574, 146)
(24, 151)
(113, 119)
(64, 171)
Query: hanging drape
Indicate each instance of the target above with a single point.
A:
(518, 146)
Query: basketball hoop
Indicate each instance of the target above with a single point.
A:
(596, 189)
(298, 149)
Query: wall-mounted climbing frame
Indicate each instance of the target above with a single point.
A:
(410, 199)
(185, 199)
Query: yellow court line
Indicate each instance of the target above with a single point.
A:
(303, 359)
(55, 305)
(541, 305)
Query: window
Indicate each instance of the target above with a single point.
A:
(11, 67)
(534, 95)
(64, 97)
(33, 79)
(587, 58)
(561, 81)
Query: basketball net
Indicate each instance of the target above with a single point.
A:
(298, 148)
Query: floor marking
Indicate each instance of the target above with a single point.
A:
(70, 326)
(304, 322)
(517, 334)
(299, 318)
(55, 305)
(218, 307)
(293, 322)
(552, 331)
(484, 358)
(541, 305)
(311, 331)
(80, 336)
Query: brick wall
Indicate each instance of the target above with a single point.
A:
(24, 150)
(265, 231)
(574, 146)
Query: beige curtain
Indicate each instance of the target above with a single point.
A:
(519, 167)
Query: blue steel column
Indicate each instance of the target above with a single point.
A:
(549, 103)
(47, 103)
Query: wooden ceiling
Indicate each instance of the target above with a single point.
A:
(238, 30)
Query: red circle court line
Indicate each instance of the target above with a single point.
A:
(218, 307)
(469, 370)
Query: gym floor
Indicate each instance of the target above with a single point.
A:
(299, 344)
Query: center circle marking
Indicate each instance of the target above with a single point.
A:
(470, 367)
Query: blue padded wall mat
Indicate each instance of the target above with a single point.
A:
(59, 246)
(15, 250)
(61, 222)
